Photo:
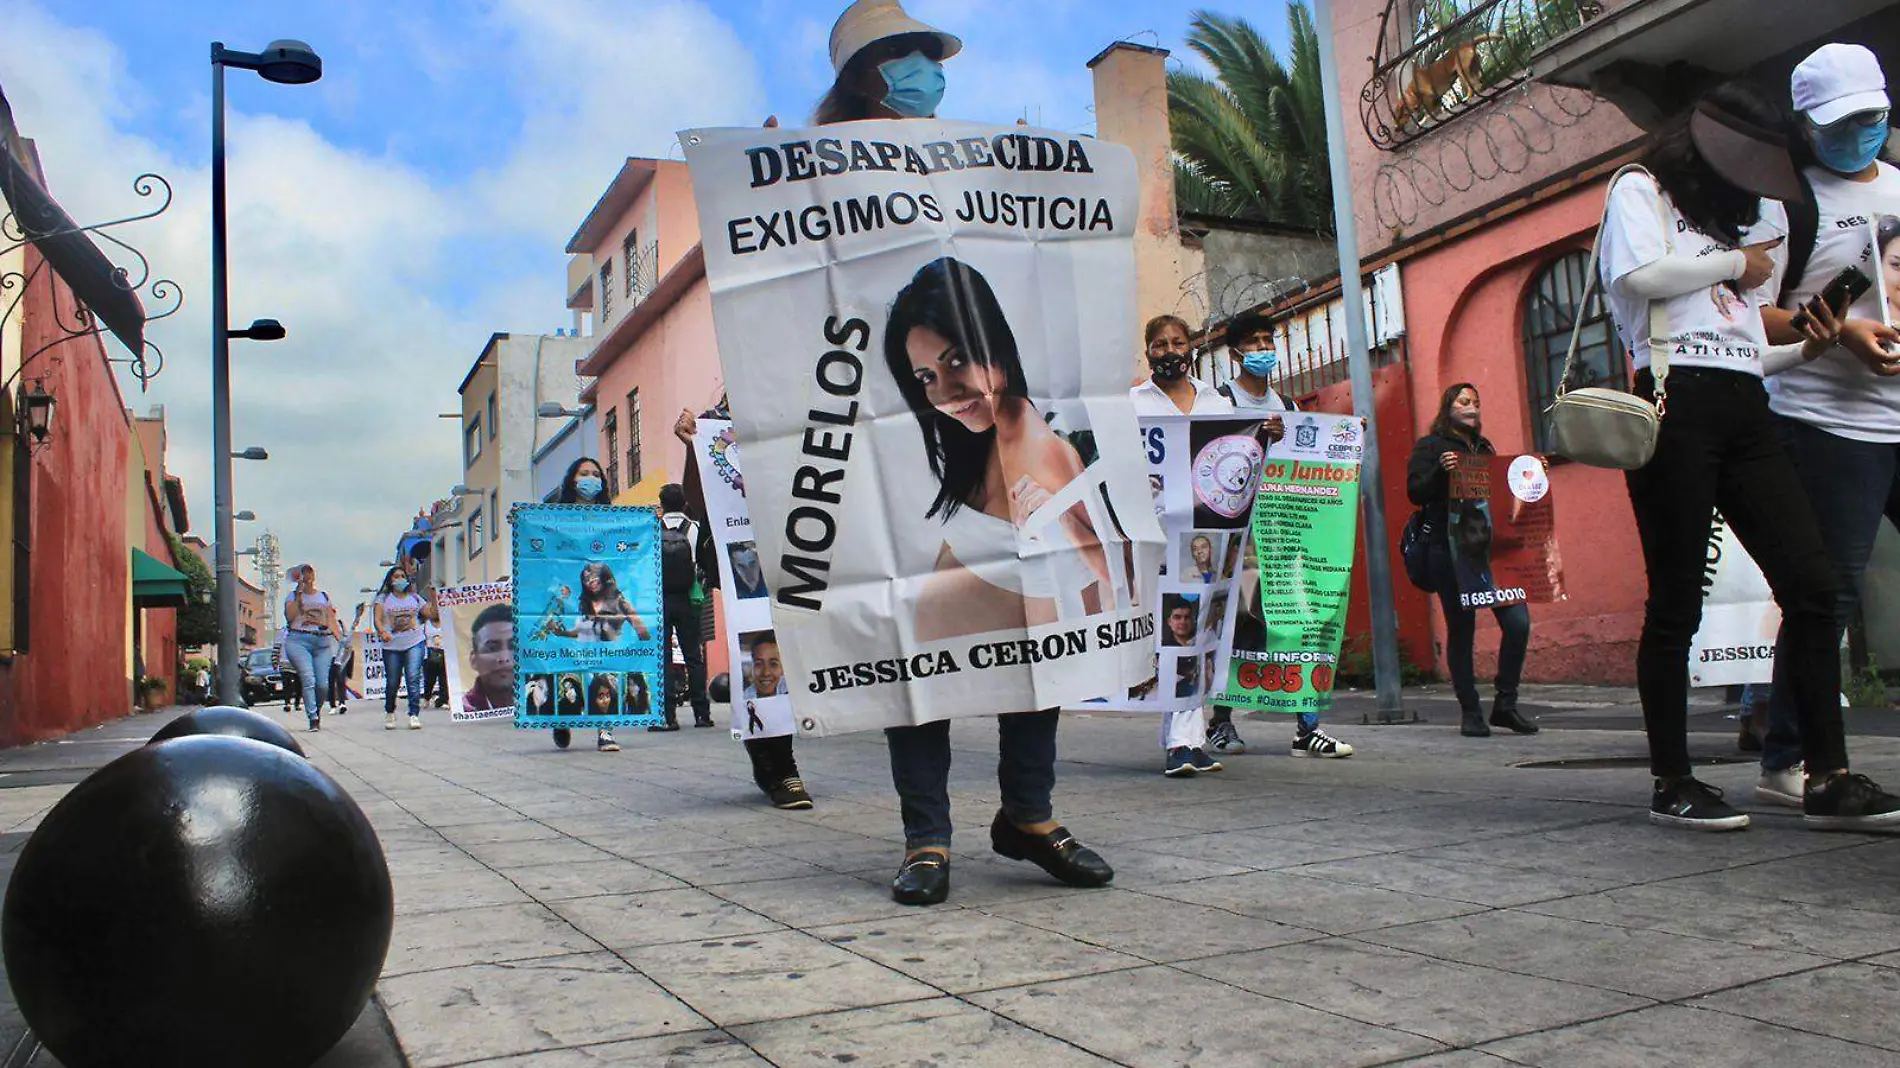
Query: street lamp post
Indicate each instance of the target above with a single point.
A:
(287, 63)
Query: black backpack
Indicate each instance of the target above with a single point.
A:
(1804, 228)
(1415, 545)
(679, 567)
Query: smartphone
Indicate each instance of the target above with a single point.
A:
(1840, 293)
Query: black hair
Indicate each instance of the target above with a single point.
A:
(389, 577)
(570, 495)
(1443, 427)
(843, 103)
(602, 681)
(673, 497)
(494, 613)
(954, 299)
(1886, 234)
(1246, 324)
(1710, 202)
(762, 638)
(609, 595)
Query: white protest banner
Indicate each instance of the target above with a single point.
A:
(1736, 642)
(751, 645)
(923, 328)
(478, 650)
(367, 674)
(1203, 472)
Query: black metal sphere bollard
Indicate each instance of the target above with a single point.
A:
(202, 902)
(228, 719)
(720, 688)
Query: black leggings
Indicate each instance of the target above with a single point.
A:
(1718, 449)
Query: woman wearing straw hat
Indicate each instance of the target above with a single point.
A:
(890, 66)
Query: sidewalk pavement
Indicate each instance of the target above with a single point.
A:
(1426, 902)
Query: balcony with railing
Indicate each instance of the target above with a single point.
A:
(1437, 59)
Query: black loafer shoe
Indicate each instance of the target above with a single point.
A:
(1057, 853)
(923, 880)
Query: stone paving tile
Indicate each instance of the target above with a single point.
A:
(1856, 1002)
(733, 864)
(627, 920)
(487, 1011)
(534, 852)
(515, 830)
(813, 901)
(480, 936)
(1671, 1035)
(1161, 1018)
(771, 977)
(1464, 1058)
(1456, 880)
(940, 1032)
(691, 1049)
(1334, 908)
(1154, 929)
(600, 878)
(1457, 1004)
(1838, 878)
(446, 891)
(1253, 850)
(1828, 931)
(1135, 866)
(430, 860)
(961, 950)
(1650, 964)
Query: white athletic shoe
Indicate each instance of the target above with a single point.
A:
(1787, 787)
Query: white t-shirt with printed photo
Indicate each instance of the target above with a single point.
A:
(1713, 327)
(1837, 393)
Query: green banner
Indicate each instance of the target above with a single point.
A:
(1305, 523)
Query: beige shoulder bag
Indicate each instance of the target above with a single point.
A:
(1610, 427)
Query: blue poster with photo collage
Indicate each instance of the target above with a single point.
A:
(587, 613)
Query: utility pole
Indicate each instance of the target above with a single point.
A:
(270, 569)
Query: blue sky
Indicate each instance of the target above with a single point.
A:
(417, 199)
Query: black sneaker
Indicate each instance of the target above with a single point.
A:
(1179, 764)
(1202, 762)
(1850, 803)
(790, 793)
(1694, 806)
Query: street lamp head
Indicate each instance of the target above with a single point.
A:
(551, 410)
(255, 452)
(262, 330)
(246, 516)
(460, 490)
(288, 62)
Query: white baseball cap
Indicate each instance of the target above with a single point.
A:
(867, 22)
(1838, 80)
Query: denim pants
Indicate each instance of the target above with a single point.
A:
(312, 655)
(1851, 485)
(404, 664)
(1718, 449)
(1461, 634)
(920, 769)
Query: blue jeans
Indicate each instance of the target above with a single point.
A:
(1851, 484)
(920, 768)
(311, 655)
(406, 665)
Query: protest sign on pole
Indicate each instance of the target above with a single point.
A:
(1503, 544)
(1305, 526)
(366, 676)
(1203, 472)
(478, 650)
(588, 616)
(1736, 642)
(761, 701)
(919, 323)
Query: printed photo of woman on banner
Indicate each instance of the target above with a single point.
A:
(590, 578)
(958, 520)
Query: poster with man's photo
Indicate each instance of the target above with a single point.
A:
(1203, 472)
(587, 616)
(478, 650)
(761, 704)
(1503, 532)
(925, 328)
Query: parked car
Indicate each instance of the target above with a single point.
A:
(261, 679)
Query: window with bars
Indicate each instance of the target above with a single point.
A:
(1550, 312)
(610, 428)
(630, 252)
(472, 442)
(606, 290)
(635, 470)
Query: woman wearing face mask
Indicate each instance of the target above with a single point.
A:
(888, 65)
(1838, 416)
(1675, 257)
(1457, 432)
(585, 483)
(400, 615)
(310, 637)
(1170, 389)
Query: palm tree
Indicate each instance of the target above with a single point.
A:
(1251, 142)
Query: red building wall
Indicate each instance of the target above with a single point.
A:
(159, 626)
(73, 673)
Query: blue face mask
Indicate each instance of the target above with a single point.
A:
(399, 585)
(1849, 146)
(588, 487)
(916, 85)
(1260, 364)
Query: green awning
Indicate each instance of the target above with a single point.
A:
(156, 584)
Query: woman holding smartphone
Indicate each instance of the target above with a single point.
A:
(1686, 250)
(1839, 416)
